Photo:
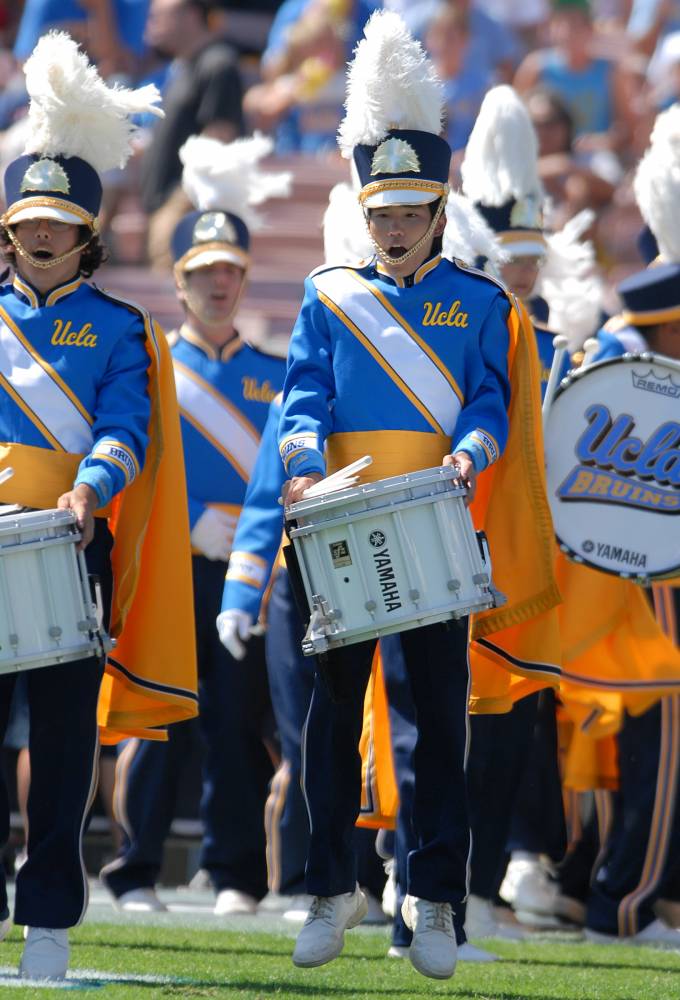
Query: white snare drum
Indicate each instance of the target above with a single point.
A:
(47, 615)
(612, 443)
(389, 556)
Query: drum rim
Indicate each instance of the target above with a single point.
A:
(435, 473)
(648, 357)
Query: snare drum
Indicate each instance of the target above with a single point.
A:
(612, 444)
(389, 556)
(47, 615)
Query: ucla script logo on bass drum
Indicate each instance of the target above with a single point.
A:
(613, 465)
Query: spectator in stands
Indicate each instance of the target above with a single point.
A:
(526, 18)
(573, 178)
(203, 96)
(465, 80)
(597, 91)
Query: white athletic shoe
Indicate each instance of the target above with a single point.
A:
(657, 933)
(433, 949)
(45, 955)
(398, 951)
(389, 896)
(536, 898)
(481, 922)
(520, 865)
(142, 900)
(274, 904)
(322, 937)
(234, 903)
(469, 953)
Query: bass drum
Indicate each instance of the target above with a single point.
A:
(612, 443)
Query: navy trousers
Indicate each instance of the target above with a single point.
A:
(51, 887)
(234, 719)
(644, 841)
(435, 659)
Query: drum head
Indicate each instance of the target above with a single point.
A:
(612, 445)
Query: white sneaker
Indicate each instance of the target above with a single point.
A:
(298, 907)
(234, 903)
(201, 881)
(140, 901)
(274, 904)
(520, 864)
(45, 955)
(323, 936)
(657, 933)
(398, 951)
(469, 953)
(389, 896)
(536, 898)
(433, 949)
(481, 922)
(374, 913)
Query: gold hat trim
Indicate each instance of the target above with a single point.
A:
(200, 248)
(68, 206)
(436, 188)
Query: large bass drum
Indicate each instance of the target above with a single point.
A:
(612, 445)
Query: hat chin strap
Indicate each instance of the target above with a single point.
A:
(416, 248)
(43, 265)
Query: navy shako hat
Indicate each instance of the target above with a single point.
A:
(647, 245)
(52, 187)
(651, 296)
(204, 238)
(518, 223)
(408, 167)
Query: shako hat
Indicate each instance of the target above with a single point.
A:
(78, 127)
(224, 182)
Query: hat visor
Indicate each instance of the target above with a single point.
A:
(207, 257)
(43, 212)
(523, 248)
(399, 196)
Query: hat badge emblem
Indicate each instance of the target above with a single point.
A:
(214, 227)
(395, 156)
(45, 175)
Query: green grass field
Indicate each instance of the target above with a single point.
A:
(208, 963)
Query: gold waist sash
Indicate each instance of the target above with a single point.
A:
(394, 452)
(40, 476)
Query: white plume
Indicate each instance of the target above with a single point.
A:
(73, 112)
(391, 83)
(570, 283)
(345, 237)
(219, 175)
(467, 235)
(501, 157)
(657, 184)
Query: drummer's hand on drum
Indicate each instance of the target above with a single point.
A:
(468, 473)
(83, 501)
(292, 489)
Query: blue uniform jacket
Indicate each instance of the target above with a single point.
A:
(369, 353)
(224, 400)
(73, 367)
(258, 534)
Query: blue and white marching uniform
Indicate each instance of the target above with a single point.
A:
(224, 399)
(73, 389)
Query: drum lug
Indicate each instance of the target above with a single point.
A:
(54, 631)
(481, 578)
(453, 584)
(322, 624)
(370, 606)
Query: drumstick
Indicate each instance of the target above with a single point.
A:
(342, 474)
(560, 346)
(590, 349)
(6, 474)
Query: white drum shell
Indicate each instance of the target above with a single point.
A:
(46, 611)
(389, 556)
(605, 515)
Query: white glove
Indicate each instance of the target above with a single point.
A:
(213, 533)
(233, 627)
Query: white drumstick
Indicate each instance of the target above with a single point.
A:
(560, 347)
(590, 349)
(331, 482)
(6, 474)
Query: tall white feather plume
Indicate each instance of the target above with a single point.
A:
(73, 112)
(345, 237)
(501, 157)
(570, 283)
(391, 83)
(467, 235)
(227, 176)
(657, 184)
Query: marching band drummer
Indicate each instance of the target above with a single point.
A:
(405, 358)
(224, 389)
(86, 407)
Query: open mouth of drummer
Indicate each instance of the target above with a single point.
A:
(397, 229)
